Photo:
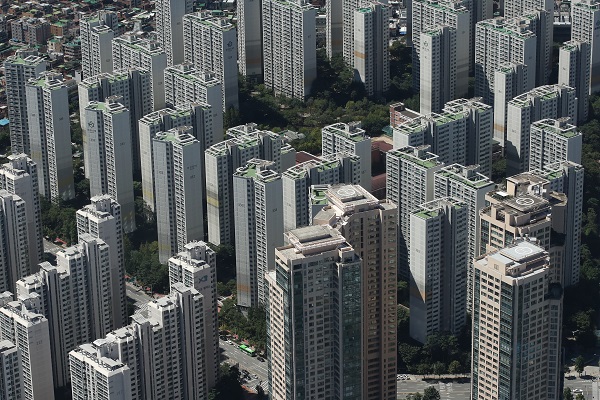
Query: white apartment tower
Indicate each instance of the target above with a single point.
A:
(161, 354)
(509, 81)
(298, 180)
(205, 127)
(258, 221)
(370, 227)
(96, 32)
(349, 138)
(344, 13)
(566, 177)
(50, 135)
(409, 183)
(517, 326)
(28, 329)
(574, 71)
(499, 41)
(460, 133)
(109, 150)
(186, 84)
(196, 267)
(223, 159)
(102, 219)
(543, 11)
(317, 281)
(334, 30)
(178, 190)
(169, 27)
(250, 38)
(82, 278)
(129, 51)
(431, 14)
(585, 15)
(371, 54)
(110, 380)
(211, 45)
(552, 101)
(133, 86)
(438, 268)
(446, 133)
(11, 379)
(289, 47)
(479, 131)
(18, 70)
(14, 251)
(438, 83)
(469, 186)
(19, 177)
(552, 141)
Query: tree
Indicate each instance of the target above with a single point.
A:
(454, 367)
(414, 396)
(439, 368)
(579, 397)
(403, 323)
(567, 394)
(579, 365)
(431, 393)
(403, 293)
(228, 387)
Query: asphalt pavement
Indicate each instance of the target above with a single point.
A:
(231, 354)
(51, 248)
(448, 391)
(137, 294)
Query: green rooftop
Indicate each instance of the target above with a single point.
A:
(425, 214)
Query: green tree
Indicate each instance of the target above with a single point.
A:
(403, 293)
(228, 387)
(454, 367)
(590, 227)
(4, 140)
(423, 369)
(431, 393)
(403, 322)
(409, 355)
(499, 170)
(439, 368)
(579, 365)
(567, 394)
(222, 289)
(579, 397)
(414, 396)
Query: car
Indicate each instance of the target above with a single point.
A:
(259, 358)
(255, 376)
(229, 342)
(577, 390)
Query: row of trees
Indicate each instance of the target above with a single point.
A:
(441, 354)
(252, 328)
(568, 395)
(336, 97)
(581, 302)
(430, 393)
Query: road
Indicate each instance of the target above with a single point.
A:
(137, 295)
(234, 356)
(448, 391)
(51, 248)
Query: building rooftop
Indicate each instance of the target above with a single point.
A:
(418, 155)
(468, 176)
(557, 126)
(433, 208)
